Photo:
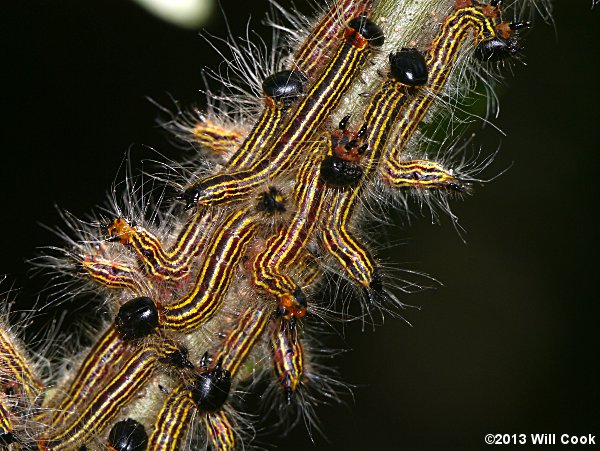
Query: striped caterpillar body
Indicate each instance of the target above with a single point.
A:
(225, 293)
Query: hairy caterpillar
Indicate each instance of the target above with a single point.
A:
(364, 338)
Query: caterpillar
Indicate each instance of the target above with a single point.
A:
(214, 422)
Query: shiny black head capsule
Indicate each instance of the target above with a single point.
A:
(284, 86)
(496, 49)
(190, 197)
(338, 172)
(368, 30)
(408, 67)
(204, 189)
(211, 389)
(178, 359)
(128, 435)
(137, 318)
(271, 201)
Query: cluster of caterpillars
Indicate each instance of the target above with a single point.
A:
(195, 316)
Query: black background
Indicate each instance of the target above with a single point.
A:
(509, 344)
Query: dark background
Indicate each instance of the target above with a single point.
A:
(509, 344)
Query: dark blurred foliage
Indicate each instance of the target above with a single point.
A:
(508, 344)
